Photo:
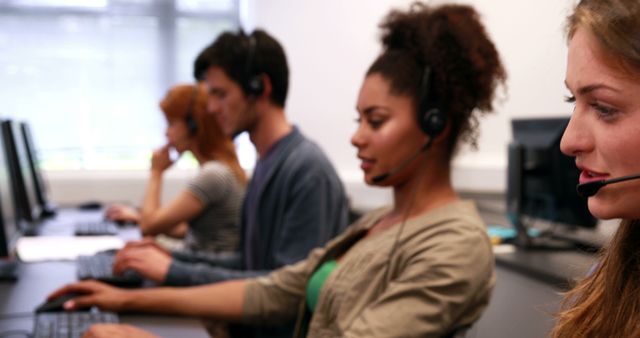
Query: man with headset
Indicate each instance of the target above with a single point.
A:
(295, 200)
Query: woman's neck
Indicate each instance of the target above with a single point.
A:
(424, 192)
(202, 159)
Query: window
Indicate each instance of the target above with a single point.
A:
(88, 74)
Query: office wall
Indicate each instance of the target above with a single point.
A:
(331, 43)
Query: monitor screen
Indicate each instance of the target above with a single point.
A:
(9, 228)
(34, 165)
(23, 185)
(542, 180)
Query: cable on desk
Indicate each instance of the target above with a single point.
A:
(11, 333)
(16, 315)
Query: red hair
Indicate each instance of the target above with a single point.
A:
(185, 99)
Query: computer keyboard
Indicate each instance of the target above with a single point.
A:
(69, 324)
(96, 228)
(100, 267)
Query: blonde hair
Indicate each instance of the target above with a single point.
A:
(191, 99)
(607, 302)
(616, 26)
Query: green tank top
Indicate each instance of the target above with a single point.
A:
(317, 281)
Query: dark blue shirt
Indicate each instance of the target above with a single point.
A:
(249, 214)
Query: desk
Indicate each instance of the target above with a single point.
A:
(559, 269)
(37, 280)
(528, 292)
(528, 288)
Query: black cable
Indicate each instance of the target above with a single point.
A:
(10, 333)
(405, 215)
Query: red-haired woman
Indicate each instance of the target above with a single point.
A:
(206, 213)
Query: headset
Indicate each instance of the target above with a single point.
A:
(252, 83)
(192, 125)
(591, 188)
(430, 118)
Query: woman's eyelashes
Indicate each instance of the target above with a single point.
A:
(374, 122)
(604, 111)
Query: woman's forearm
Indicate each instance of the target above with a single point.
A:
(223, 300)
(151, 203)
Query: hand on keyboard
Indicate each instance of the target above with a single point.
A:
(100, 267)
(122, 213)
(147, 260)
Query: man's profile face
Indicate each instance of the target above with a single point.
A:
(228, 102)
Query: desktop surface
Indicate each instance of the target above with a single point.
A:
(37, 280)
(560, 269)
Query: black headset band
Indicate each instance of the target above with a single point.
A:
(191, 122)
(251, 50)
(252, 82)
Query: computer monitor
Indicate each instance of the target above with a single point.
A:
(541, 183)
(9, 229)
(36, 174)
(22, 181)
(8, 221)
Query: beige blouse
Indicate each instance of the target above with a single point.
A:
(439, 278)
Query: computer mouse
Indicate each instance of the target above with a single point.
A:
(55, 305)
(90, 205)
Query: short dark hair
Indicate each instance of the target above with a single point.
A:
(200, 65)
(464, 64)
(232, 52)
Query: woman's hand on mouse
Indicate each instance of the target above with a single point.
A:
(116, 331)
(93, 293)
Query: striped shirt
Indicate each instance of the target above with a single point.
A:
(215, 229)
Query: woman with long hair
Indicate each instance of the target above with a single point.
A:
(206, 213)
(603, 76)
(422, 267)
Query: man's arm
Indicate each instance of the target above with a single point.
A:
(188, 274)
(224, 260)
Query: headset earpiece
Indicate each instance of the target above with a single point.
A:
(192, 125)
(253, 85)
(430, 118)
(433, 122)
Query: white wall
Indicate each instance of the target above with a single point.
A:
(331, 43)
